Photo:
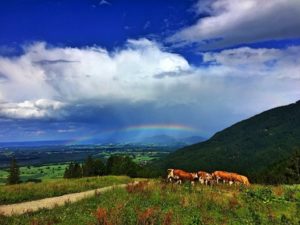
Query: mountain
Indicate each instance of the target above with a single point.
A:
(249, 147)
(193, 139)
(159, 139)
(116, 138)
(33, 143)
(170, 140)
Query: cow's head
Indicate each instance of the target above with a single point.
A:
(195, 176)
(170, 173)
(209, 176)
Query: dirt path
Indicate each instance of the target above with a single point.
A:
(20, 208)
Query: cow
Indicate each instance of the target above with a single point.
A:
(180, 175)
(222, 175)
(237, 178)
(204, 177)
(230, 177)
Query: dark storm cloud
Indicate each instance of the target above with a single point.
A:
(3, 77)
(50, 62)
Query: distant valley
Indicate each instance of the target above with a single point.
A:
(48, 152)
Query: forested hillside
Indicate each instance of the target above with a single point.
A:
(250, 147)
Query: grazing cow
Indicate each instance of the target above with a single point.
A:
(243, 179)
(204, 177)
(180, 175)
(222, 175)
(230, 177)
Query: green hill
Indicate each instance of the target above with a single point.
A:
(249, 147)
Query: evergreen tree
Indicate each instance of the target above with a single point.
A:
(77, 171)
(99, 167)
(121, 165)
(88, 167)
(68, 170)
(74, 170)
(14, 172)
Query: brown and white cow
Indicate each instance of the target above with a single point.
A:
(180, 175)
(237, 178)
(204, 177)
(221, 175)
(230, 177)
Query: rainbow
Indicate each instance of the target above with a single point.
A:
(133, 128)
(170, 127)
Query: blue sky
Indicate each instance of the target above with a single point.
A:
(71, 69)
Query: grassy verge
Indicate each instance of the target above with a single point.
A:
(160, 203)
(49, 188)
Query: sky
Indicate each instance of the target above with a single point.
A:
(80, 70)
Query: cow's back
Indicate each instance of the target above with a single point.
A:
(183, 174)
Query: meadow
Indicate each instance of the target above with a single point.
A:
(157, 202)
(45, 172)
(50, 188)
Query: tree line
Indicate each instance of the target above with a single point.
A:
(115, 165)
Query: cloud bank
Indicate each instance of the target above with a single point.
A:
(233, 22)
(143, 82)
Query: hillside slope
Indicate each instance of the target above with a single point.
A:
(156, 202)
(248, 147)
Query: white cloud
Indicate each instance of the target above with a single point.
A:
(42, 108)
(71, 75)
(232, 22)
(47, 82)
(245, 61)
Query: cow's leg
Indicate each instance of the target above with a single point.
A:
(201, 181)
(230, 183)
(193, 183)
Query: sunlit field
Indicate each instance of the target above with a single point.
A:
(27, 173)
(157, 202)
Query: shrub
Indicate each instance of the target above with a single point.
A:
(101, 216)
(148, 217)
(168, 218)
(233, 203)
(289, 194)
(285, 221)
(33, 180)
(140, 187)
(263, 193)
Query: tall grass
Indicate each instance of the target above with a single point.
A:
(31, 191)
(156, 202)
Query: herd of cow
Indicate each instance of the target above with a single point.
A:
(178, 176)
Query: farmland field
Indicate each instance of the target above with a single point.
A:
(48, 155)
(156, 202)
(49, 162)
(45, 172)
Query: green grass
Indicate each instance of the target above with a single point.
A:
(49, 188)
(45, 172)
(161, 203)
(3, 176)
